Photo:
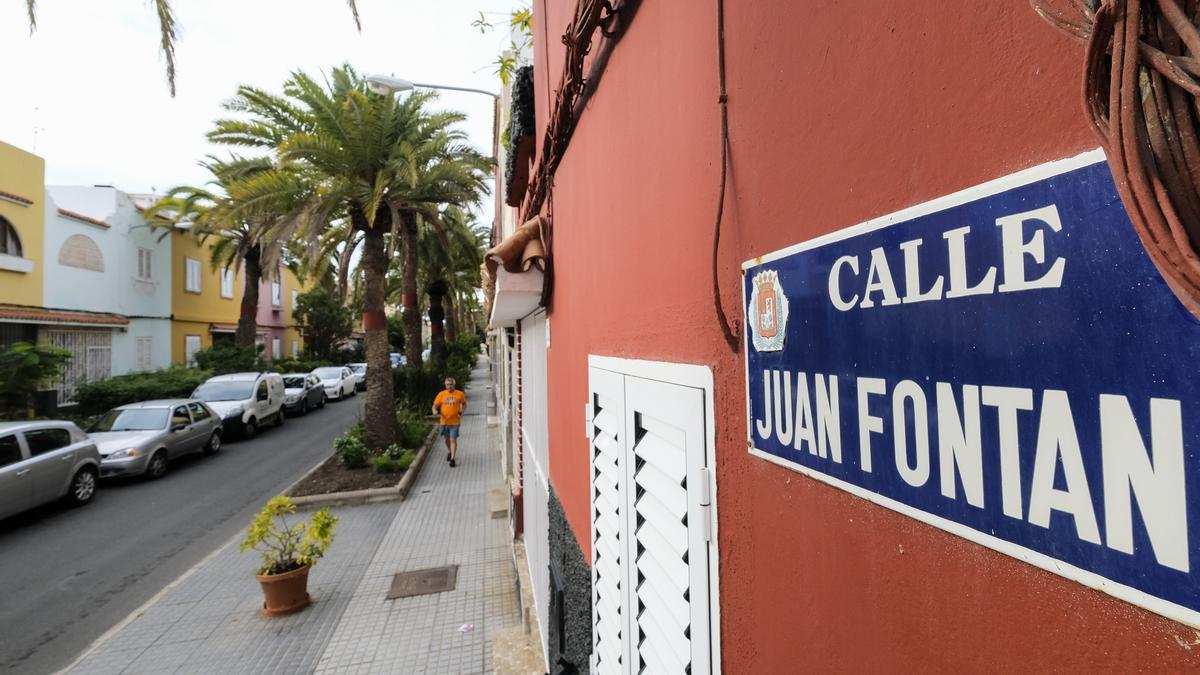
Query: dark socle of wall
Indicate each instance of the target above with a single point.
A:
(570, 635)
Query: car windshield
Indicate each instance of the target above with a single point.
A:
(328, 373)
(223, 391)
(296, 382)
(131, 419)
(358, 368)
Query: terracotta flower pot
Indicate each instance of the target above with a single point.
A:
(285, 593)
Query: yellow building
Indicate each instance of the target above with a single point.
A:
(206, 304)
(22, 226)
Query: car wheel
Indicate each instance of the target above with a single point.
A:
(304, 407)
(83, 487)
(157, 467)
(354, 390)
(251, 428)
(214, 444)
(321, 403)
(279, 418)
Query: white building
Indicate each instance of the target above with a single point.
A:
(102, 257)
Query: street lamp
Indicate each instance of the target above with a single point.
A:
(385, 85)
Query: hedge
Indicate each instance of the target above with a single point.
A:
(174, 382)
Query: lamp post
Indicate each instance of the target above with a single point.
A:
(384, 85)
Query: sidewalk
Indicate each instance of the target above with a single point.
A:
(209, 620)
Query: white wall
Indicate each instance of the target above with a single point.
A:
(536, 463)
(117, 289)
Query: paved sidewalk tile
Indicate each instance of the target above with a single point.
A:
(445, 521)
(210, 622)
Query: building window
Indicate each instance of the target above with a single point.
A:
(276, 348)
(10, 243)
(295, 349)
(191, 345)
(143, 271)
(276, 294)
(192, 270)
(295, 299)
(226, 283)
(145, 350)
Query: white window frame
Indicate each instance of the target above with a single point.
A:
(189, 354)
(145, 352)
(698, 377)
(226, 283)
(145, 270)
(192, 274)
(295, 299)
(276, 348)
(276, 293)
(295, 349)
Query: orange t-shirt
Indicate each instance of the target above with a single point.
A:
(450, 406)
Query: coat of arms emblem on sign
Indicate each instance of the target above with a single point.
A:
(768, 312)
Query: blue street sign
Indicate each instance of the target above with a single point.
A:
(1004, 363)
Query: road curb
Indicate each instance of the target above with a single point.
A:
(371, 495)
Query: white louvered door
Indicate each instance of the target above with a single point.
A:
(650, 526)
(609, 528)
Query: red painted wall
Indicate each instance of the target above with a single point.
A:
(839, 112)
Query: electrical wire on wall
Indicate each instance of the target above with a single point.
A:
(728, 330)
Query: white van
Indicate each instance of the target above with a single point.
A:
(245, 401)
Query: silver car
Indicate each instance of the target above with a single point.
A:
(44, 461)
(143, 438)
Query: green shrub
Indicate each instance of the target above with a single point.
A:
(350, 449)
(411, 428)
(297, 365)
(385, 464)
(393, 451)
(24, 368)
(103, 395)
(222, 359)
(416, 388)
(406, 459)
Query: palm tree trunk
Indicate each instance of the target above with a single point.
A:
(437, 318)
(411, 316)
(343, 279)
(248, 319)
(451, 317)
(379, 415)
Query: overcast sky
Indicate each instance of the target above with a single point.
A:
(87, 91)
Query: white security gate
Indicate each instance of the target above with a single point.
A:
(535, 476)
(91, 358)
(653, 558)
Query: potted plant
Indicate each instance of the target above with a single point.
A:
(287, 553)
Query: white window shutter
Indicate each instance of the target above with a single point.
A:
(668, 593)
(609, 525)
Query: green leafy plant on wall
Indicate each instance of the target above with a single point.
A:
(520, 22)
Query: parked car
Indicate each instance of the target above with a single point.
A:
(302, 392)
(397, 359)
(244, 401)
(143, 438)
(44, 461)
(338, 381)
(360, 375)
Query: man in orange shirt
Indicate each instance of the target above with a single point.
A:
(450, 405)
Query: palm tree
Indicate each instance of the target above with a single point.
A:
(374, 160)
(213, 215)
(452, 249)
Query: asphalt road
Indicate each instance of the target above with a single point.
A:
(68, 575)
